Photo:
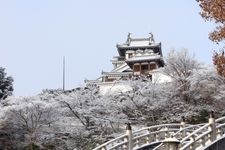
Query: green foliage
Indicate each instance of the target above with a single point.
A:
(32, 146)
(6, 86)
(201, 117)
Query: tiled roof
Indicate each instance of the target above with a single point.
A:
(116, 74)
(121, 68)
(136, 44)
(143, 58)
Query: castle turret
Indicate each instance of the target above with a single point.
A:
(137, 56)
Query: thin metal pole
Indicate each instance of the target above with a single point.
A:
(63, 73)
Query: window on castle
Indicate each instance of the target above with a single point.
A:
(130, 55)
(110, 79)
(136, 68)
(152, 66)
(144, 67)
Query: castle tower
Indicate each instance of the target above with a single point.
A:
(137, 57)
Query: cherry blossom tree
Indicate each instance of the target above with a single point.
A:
(79, 103)
(180, 66)
(32, 117)
(144, 103)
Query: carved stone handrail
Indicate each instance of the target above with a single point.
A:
(142, 137)
(186, 136)
(202, 137)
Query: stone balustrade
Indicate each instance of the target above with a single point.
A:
(175, 136)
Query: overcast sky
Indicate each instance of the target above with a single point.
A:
(36, 34)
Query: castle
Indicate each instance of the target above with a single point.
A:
(137, 57)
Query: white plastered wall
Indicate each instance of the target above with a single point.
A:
(158, 77)
(113, 87)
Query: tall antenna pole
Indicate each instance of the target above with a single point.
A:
(63, 73)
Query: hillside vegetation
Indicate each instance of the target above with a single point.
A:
(81, 118)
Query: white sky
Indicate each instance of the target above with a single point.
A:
(35, 35)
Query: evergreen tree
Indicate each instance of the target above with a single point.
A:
(6, 84)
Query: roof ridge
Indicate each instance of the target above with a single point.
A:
(139, 39)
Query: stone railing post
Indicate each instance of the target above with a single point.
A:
(182, 126)
(171, 143)
(212, 127)
(129, 135)
(166, 130)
